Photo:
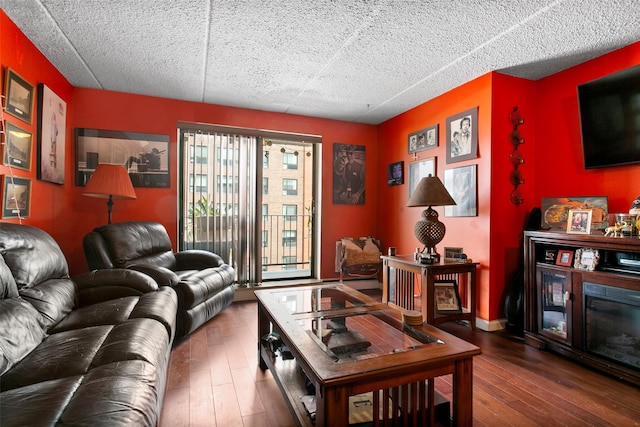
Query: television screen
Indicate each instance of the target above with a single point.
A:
(610, 119)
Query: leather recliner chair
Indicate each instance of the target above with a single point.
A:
(203, 281)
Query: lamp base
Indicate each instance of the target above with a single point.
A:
(429, 231)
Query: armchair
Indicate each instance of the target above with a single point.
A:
(203, 281)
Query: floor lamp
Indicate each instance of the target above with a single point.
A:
(110, 182)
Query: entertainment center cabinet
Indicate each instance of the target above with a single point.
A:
(592, 316)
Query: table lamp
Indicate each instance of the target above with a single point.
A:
(429, 230)
(112, 182)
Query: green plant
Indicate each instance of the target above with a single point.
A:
(202, 207)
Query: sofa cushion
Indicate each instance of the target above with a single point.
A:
(8, 287)
(138, 241)
(54, 299)
(21, 330)
(31, 254)
(109, 312)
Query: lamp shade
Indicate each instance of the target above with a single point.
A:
(430, 192)
(110, 180)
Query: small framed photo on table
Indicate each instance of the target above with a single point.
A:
(446, 296)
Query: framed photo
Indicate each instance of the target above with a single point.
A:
(419, 170)
(462, 185)
(395, 173)
(16, 197)
(17, 147)
(446, 296)
(579, 221)
(555, 211)
(586, 259)
(145, 155)
(550, 256)
(564, 258)
(349, 163)
(52, 131)
(19, 96)
(452, 254)
(462, 136)
(423, 139)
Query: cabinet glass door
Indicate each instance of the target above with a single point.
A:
(555, 305)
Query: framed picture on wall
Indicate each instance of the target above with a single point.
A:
(423, 139)
(17, 147)
(419, 170)
(19, 96)
(145, 155)
(348, 174)
(462, 185)
(462, 136)
(16, 197)
(52, 132)
(395, 173)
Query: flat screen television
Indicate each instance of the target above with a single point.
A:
(610, 119)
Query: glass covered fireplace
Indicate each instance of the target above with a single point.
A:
(612, 323)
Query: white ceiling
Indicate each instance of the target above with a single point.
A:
(356, 60)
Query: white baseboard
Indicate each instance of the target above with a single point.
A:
(491, 326)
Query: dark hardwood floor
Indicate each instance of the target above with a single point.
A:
(214, 380)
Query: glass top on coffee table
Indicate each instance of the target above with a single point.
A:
(311, 299)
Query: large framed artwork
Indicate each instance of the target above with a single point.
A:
(52, 132)
(145, 155)
(462, 185)
(419, 170)
(423, 139)
(555, 211)
(16, 197)
(348, 174)
(19, 96)
(17, 147)
(462, 136)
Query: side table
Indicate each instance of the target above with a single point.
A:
(399, 276)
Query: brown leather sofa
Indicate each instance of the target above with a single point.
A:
(203, 281)
(92, 350)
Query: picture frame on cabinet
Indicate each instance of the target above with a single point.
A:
(19, 96)
(462, 136)
(579, 221)
(586, 259)
(395, 173)
(446, 296)
(16, 197)
(565, 258)
(52, 135)
(419, 170)
(17, 147)
(424, 139)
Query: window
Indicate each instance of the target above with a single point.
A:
(227, 156)
(265, 238)
(290, 187)
(265, 261)
(289, 161)
(265, 185)
(289, 263)
(289, 238)
(265, 160)
(289, 212)
(201, 183)
(265, 213)
(198, 154)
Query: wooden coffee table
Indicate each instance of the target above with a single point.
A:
(349, 345)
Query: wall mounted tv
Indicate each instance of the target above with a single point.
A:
(610, 119)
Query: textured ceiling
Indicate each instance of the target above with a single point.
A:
(356, 60)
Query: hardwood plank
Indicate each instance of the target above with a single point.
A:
(227, 411)
(249, 399)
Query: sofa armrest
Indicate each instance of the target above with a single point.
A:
(96, 251)
(196, 259)
(103, 285)
(162, 276)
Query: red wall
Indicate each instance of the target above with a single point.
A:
(560, 170)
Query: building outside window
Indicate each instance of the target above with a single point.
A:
(289, 212)
(289, 238)
(289, 187)
(289, 161)
(289, 263)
